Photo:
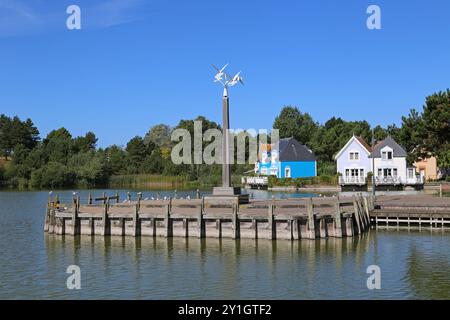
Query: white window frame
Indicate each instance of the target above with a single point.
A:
(385, 152)
(287, 169)
(353, 155)
(264, 171)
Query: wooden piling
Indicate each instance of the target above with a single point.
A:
(201, 226)
(91, 226)
(76, 223)
(106, 222)
(357, 216)
(47, 216)
(136, 223)
(311, 231)
(186, 227)
(168, 222)
(271, 226)
(337, 218)
(219, 227)
(323, 227)
(236, 226)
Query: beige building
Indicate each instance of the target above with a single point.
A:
(427, 168)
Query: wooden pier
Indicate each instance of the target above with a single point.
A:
(411, 211)
(291, 219)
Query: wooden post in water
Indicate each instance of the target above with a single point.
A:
(117, 196)
(129, 196)
(356, 215)
(337, 219)
(75, 219)
(201, 226)
(104, 198)
(323, 227)
(139, 198)
(136, 223)
(366, 206)
(168, 222)
(106, 222)
(186, 227)
(272, 226)
(91, 226)
(311, 234)
(236, 226)
(198, 194)
(89, 198)
(47, 216)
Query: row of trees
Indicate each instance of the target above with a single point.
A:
(62, 160)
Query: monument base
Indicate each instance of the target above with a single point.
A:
(226, 191)
(224, 195)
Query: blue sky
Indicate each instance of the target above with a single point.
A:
(138, 63)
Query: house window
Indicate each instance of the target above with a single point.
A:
(264, 171)
(354, 156)
(273, 171)
(287, 172)
(395, 172)
(380, 172)
(410, 173)
(386, 155)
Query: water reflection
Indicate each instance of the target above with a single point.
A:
(33, 264)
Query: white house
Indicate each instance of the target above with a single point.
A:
(390, 165)
(353, 162)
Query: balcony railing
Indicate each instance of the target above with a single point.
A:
(388, 180)
(352, 180)
(415, 180)
(255, 180)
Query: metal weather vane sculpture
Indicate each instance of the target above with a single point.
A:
(226, 80)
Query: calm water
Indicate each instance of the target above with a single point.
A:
(33, 264)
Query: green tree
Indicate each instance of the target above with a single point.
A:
(292, 123)
(14, 132)
(158, 135)
(411, 135)
(86, 143)
(436, 122)
(58, 146)
(115, 158)
(136, 153)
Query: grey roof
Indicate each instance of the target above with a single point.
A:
(292, 150)
(398, 149)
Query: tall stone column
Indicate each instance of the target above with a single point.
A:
(226, 170)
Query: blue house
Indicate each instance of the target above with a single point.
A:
(289, 160)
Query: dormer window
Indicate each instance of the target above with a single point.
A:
(354, 155)
(386, 155)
